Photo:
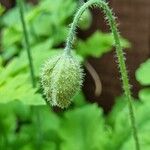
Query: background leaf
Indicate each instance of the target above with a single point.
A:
(98, 44)
(83, 128)
(143, 73)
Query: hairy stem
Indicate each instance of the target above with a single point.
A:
(27, 45)
(121, 59)
(74, 24)
(122, 66)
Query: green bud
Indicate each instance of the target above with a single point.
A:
(61, 79)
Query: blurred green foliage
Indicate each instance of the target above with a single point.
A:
(26, 123)
(44, 21)
(143, 76)
(80, 127)
(98, 44)
(44, 35)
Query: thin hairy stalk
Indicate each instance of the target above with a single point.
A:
(122, 66)
(27, 45)
(121, 59)
(72, 31)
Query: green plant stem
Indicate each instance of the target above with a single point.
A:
(27, 45)
(74, 24)
(121, 59)
(26, 37)
(122, 68)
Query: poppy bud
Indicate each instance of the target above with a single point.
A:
(61, 79)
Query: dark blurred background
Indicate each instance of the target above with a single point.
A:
(133, 17)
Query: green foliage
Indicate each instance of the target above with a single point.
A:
(44, 27)
(48, 19)
(98, 44)
(86, 20)
(143, 76)
(70, 131)
(83, 129)
(122, 137)
(30, 133)
(143, 73)
(18, 70)
(34, 125)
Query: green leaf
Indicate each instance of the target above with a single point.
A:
(42, 132)
(42, 24)
(21, 91)
(98, 44)
(7, 120)
(144, 94)
(86, 20)
(18, 70)
(10, 36)
(79, 99)
(122, 137)
(48, 19)
(143, 73)
(11, 17)
(143, 127)
(83, 129)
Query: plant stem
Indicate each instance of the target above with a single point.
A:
(96, 78)
(74, 24)
(121, 59)
(27, 45)
(122, 68)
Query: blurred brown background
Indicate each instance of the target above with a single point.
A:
(134, 23)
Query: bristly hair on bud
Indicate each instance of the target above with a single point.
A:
(61, 79)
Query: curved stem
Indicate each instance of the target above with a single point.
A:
(121, 59)
(20, 4)
(96, 78)
(122, 67)
(74, 24)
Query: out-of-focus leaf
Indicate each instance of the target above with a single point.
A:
(12, 17)
(7, 120)
(15, 77)
(98, 44)
(143, 127)
(144, 94)
(20, 88)
(143, 73)
(48, 19)
(86, 20)
(83, 128)
(121, 126)
(79, 99)
(42, 130)
(41, 25)
(143, 76)
(10, 36)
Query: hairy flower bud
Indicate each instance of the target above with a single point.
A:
(61, 79)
